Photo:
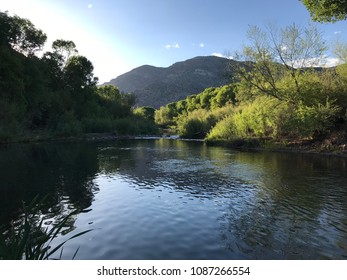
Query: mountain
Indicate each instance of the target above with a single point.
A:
(157, 86)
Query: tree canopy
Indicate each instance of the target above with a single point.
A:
(21, 34)
(327, 10)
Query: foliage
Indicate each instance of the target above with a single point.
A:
(268, 117)
(145, 112)
(162, 117)
(327, 10)
(195, 125)
(224, 130)
(57, 92)
(134, 125)
(340, 50)
(276, 54)
(209, 99)
(20, 34)
(29, 239)
(259, 118)
(309, 121)
(198, 123)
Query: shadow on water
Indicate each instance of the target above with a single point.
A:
(61, 172)
(197, 201)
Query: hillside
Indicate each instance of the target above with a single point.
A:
(156, 86)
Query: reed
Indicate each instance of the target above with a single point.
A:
(31, 240)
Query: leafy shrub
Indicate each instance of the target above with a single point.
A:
(268, 117)
(68, 125)
(261, 118)
(125, 126)
(162, 117)
(223, 130)
(145, 112)
(97, 125)
(195, 124)
(307, 121)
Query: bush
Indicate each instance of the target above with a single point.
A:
(223, 130)
(268, 117)
(145, 112)
(98, 125)
(68, 125)
(261, 118)
(125, 126)
(196, 124)
(308, 121)
(162, 117)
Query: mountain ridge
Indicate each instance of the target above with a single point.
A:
(158, 86)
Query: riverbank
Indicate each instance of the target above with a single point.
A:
(89, 137)
(334, 145)
(325, 147)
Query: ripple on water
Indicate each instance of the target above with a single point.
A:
(173, 200)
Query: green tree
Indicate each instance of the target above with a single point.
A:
(21, 34)
(225, 95)
(181, 106)
(327, 10)
(79, 73)
(277, 53)
(64, 48)
(162, 117)
(116, 104)
(145, 112)
(206, 96)
(109, 92)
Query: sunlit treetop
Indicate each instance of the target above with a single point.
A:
(327, 10)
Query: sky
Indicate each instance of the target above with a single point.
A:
(119, 35)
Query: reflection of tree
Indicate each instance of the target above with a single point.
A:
(62, 172)
(295, 208)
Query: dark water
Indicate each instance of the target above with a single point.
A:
(167, 199)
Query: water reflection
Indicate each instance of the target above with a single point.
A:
(61, 172)
(185, 199)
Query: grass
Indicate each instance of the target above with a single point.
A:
(30, 240)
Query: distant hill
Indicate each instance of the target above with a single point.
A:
(157, 86)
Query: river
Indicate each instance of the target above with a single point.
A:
(172, 199)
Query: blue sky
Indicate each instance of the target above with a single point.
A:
(119, 35)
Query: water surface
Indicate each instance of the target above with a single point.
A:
(169, 199)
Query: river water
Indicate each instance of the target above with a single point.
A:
(171, 199)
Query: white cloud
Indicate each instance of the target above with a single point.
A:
(222, 55)
(90, 6)
(331, 62)
(173, 46)
(202, 45)
(337, 32)
(324, 61)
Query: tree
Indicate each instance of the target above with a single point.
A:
(340, 51)
(145, 112)
(64, 50)
(109, 92)
(20, 34)
(225, 94)
(327, 10)
(277, 54)
(79, 73)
